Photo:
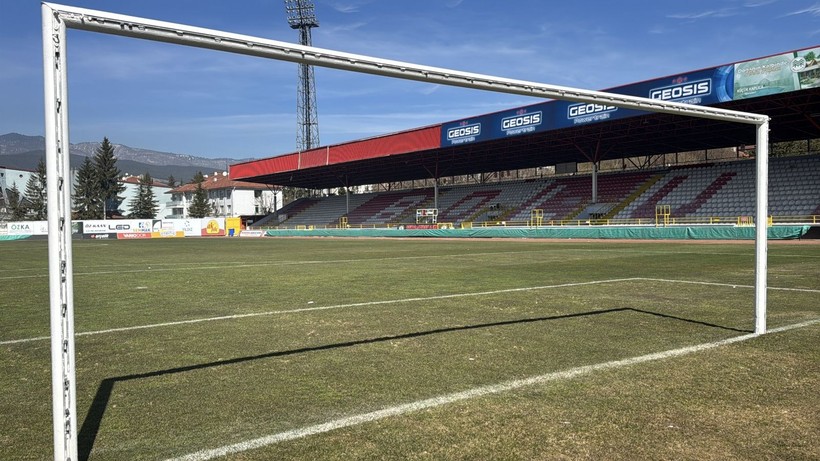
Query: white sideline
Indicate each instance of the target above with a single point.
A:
(464, 395)
(389, 301)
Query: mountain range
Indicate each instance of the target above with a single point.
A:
(23, 152)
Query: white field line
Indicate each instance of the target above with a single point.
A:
(465, 395)
(321, 308)
(733, 285)
(392, 301)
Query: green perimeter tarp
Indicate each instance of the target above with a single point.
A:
(14, 237)
(591, 232)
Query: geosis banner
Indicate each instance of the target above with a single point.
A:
(708, 86)
(467, 131)
(791, 71)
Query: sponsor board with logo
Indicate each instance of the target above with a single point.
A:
(100, 236)
(792, 71)
(777, 74)
(166, 229)
(26, 228)
(521, 121)
(467, 131)
(133, 235)
(252, 233)
(212, 227)
(116, 226)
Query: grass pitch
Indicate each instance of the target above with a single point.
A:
(195, 344)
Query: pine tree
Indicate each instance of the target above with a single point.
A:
(36, 193)
(172, 182)
(199, 207)
(144, 206)
(87, 197)
(15, 205)
(108, 177)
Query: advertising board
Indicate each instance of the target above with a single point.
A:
(791, 71)
(777, 74)
(212, 227)
(116, 226)
(467, 131)
(26, 228)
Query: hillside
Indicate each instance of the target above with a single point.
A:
(21, 151)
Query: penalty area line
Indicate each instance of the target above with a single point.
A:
(320, 308)
(733, 285)
(477, 392)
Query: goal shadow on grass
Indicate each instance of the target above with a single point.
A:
(96, 412)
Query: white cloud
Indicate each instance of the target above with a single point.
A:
(812, 10)
(757, 3)
(348, 7)
(721, 13)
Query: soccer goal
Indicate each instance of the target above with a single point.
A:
(56, 19)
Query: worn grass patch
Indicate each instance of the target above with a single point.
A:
(402, 321)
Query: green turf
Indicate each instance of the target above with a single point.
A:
(411, 320)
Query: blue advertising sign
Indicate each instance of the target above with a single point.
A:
(709, 86)
(467, 131)
(791, 71)
(522, 121)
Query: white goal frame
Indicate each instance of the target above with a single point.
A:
(56, 19)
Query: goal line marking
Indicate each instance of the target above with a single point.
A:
(390, 301)
(476, 392)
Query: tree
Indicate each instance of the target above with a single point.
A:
(87, 197)
(144, 206)
(172, 182)
(199, 207)
(36, 193)
(290, 194)
(14, 203)
(108, 177)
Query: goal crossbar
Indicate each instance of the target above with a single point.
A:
(57, 18)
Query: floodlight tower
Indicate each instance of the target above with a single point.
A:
(302, 17)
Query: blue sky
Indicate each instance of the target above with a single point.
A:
(212, 104)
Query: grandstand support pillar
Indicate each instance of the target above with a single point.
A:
(347, 200)
(60, 260)
(761, 226)
(594, 182)
(435, 192)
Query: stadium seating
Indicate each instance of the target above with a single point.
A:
(728, 190)
(725, 190)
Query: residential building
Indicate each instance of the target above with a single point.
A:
(10, 177)
(227, 197)
(132, 189)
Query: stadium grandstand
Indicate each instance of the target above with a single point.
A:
(563, 163)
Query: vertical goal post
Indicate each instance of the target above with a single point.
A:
(57, 18)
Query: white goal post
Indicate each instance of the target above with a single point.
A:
(57, 18)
